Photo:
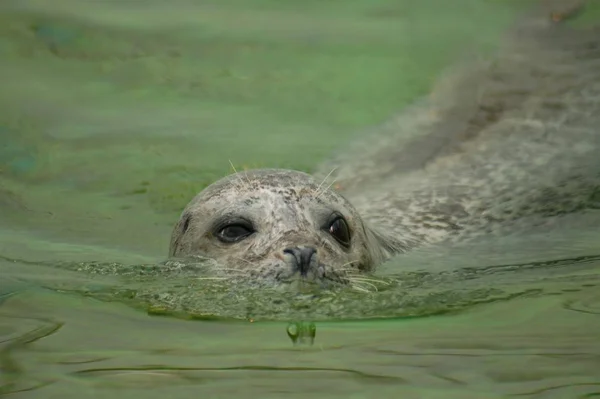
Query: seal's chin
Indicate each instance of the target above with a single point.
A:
(319, 275)
(284, 271)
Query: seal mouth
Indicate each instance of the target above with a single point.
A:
(316, 276)
(308, 272)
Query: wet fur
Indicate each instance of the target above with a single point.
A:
(501, 144)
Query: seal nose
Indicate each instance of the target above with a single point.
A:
(302, 257)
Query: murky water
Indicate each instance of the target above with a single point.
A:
(112, 115)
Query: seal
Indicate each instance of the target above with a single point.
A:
(500, 146)
(277, 224)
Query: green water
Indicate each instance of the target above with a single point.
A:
(114, 114)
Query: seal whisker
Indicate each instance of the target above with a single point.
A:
(241, 179)
(326, 188)
(361, 289)
(227, 269)
(317, 191)
(346, 268)
(229, 274)
(360, 278)
(246, 260)
(351, 262)
(211, 278)
(363, 283)
(347, 272)
(247, 178)
(237, 273)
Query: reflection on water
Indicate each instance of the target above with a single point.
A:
(113, 116)
(68, 345)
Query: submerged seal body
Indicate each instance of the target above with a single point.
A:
(499, 146)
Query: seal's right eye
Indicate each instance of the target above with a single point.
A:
(234, 232)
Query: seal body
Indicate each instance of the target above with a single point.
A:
(499, 146)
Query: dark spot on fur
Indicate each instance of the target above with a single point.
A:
(186, 223)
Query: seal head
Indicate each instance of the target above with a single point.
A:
(278, 225)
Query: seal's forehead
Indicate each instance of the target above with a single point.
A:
(261, 193)
(272, 189)
(277, 180)
(274, 177)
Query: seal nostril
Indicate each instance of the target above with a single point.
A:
(308, 252)
(302, 257)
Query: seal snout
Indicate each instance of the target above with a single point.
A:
(302, 259)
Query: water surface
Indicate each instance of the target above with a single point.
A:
(113, 115)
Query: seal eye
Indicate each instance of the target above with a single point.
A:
(234, 233)
(339, 230)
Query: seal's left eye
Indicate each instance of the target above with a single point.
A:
(234, 233)
(340, 231)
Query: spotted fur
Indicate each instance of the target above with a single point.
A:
(499, 145)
